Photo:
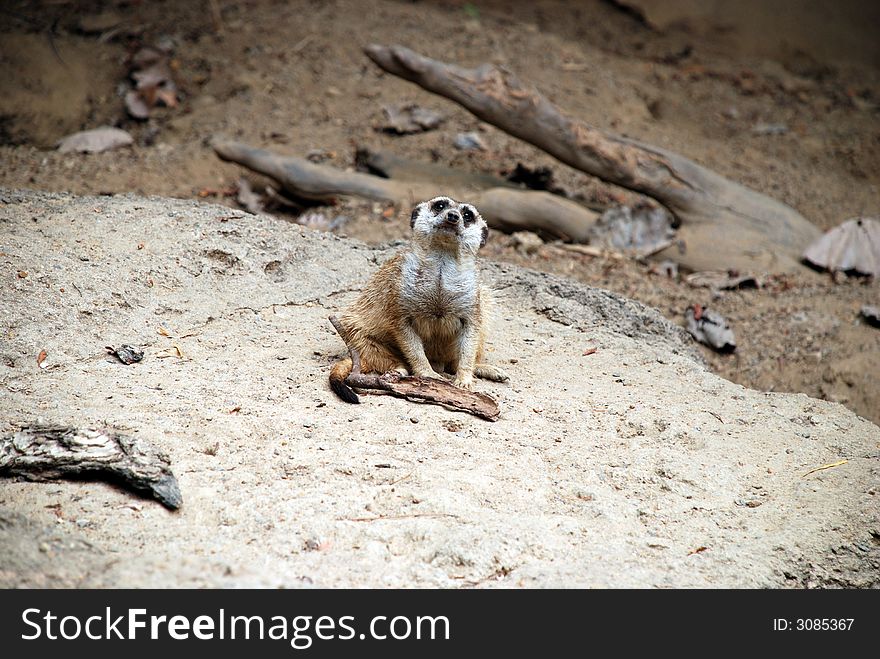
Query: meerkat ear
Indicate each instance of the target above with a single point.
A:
(413, 216)
(485, 236)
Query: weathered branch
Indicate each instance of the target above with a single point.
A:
(416, 389)
(722, 223)
(390, 165)
(506, 209)
(53, 452)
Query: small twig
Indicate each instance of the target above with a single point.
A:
(355, 355)
(401, 479)
(51, 36)
(216, 16)
(302, 43)
(590, 250)
(392, 517)
(828, 466)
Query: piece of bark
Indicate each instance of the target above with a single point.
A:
(416, 389)
(636, 230)
(506, 209)
(722, 223)
(427, 390)
(45, 452)
(722, 280)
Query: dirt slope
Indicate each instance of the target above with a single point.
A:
(632, 466)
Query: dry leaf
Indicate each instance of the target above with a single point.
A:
(42, 358)
(410, 118)
(710, 328)
(95, 140)
(136, 105)
(126, 353)
(854, 245)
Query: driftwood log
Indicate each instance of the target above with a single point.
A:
(52, 452)
(723, 224)
(506, 209)
(416, 389)
(390, 165)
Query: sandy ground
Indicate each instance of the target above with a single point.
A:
(630, 466)
(292, 77)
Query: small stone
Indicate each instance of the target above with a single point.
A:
(469, 142)
(525, 242)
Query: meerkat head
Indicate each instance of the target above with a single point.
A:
(446, 222)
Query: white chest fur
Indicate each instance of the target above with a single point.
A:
(441, 287)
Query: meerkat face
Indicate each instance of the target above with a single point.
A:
(445, 221)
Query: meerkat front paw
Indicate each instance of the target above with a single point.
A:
(464, 381)
(430, 373)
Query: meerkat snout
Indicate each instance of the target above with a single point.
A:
(452, 217)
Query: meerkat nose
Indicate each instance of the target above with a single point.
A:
(453, 217)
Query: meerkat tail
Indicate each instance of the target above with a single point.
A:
(341, 370)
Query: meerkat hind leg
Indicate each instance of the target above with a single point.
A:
(375, 358)
(489, 372)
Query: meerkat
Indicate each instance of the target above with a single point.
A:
(425, 311)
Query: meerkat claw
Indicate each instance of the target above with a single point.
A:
(464, 382)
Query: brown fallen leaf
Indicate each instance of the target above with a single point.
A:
(41, 358)
(217, 192)
(168, 97)
(235, 409)
(698, 550)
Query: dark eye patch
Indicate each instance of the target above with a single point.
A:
(413, 217)
(440, 205)
(468, 215)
